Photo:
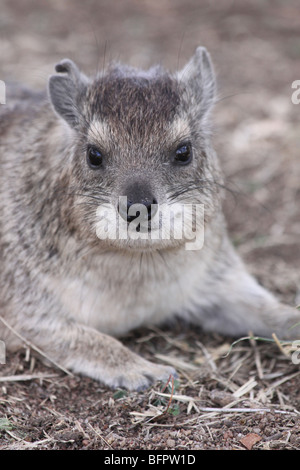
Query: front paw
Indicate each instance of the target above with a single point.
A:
(139, 375)
(107, 360)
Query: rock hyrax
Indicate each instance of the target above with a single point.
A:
(104, 183)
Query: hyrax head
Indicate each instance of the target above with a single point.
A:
(141, 144)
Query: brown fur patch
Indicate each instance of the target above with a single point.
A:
(134, 103)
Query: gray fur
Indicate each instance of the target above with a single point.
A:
(63, 288)
(199, 78)
(67, 91)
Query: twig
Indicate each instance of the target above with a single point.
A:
(35, 348)
(227, 408)
(99, 435)
(245, 388)
(20, 378)
(171, 395)
(208, 357)
(28, 444)
(279, 345)
(256, 356)
(283, 380)
(245, 410)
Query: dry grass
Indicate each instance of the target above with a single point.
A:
(225, 393)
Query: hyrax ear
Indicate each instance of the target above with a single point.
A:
(66, 90)
(199, 80)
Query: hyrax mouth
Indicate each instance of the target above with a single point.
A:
(148, 225)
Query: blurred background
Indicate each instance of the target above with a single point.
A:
(255, 46)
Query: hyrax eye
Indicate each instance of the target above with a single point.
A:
(94, 157)
(183, 154)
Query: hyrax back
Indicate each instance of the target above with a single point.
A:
(70, 157)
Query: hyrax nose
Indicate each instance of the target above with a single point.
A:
(135, 196)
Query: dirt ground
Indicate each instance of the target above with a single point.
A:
(250, 397)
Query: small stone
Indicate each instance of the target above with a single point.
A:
(171, 443)
(250, 439)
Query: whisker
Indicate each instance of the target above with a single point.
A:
(202, 184)
(192, 186)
